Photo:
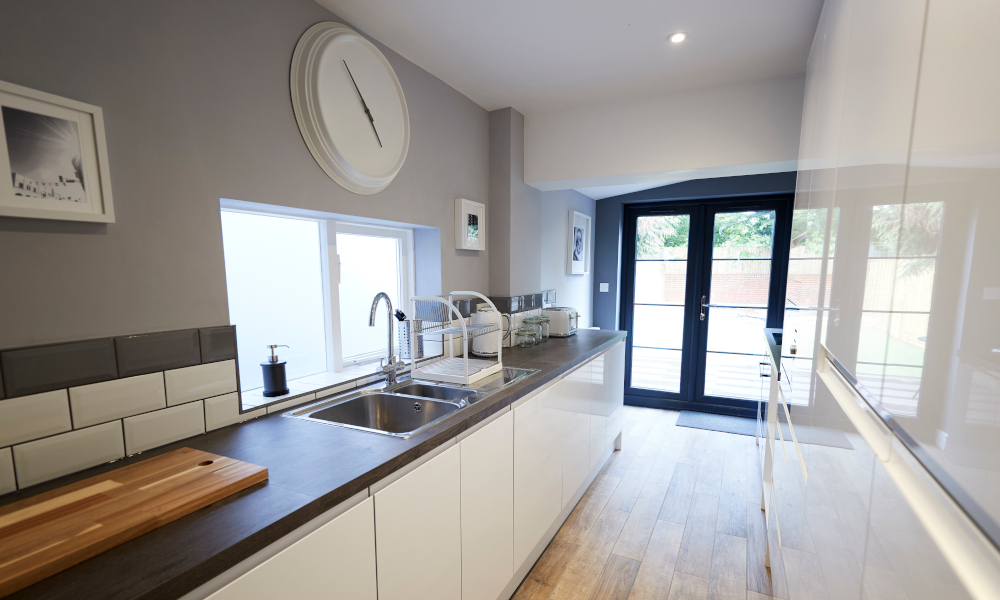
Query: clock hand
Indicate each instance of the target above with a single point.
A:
(364, 104)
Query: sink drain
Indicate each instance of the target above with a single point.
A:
(416, 406)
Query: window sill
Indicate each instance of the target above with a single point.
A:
(307, 389)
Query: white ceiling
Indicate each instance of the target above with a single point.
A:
(539, 55)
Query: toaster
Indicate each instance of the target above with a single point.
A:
(563, 320)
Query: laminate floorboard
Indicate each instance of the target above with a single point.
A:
(657, 568)
(674, 515)
(698, 543)
(688, 587)
(639, 526)
(544, 576)
(616, 579)
(678, 500)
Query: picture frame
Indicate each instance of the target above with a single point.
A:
(470, 225)
(578, 246)
(54, 155)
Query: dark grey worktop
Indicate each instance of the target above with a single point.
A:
(312, 468)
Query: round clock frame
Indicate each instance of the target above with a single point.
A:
(308, 103)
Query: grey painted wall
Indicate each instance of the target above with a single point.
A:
(196, 104)
(526, 218)
(498, 207)
(571, 290)
(609, 223)
(515, 211)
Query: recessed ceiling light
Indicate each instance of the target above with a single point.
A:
(678, 37)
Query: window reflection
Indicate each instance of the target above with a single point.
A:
(810, 273)
(902, 260)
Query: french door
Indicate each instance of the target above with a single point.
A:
(702, 279)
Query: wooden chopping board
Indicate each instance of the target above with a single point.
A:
(53, 531)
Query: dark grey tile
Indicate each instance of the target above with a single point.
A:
(507, 304)
(1, 386)
(152, 352)
(536, 300)
(218, 343)
(46, 368)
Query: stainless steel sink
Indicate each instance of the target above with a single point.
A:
(437, 392)
(404, 409)
(381, 412)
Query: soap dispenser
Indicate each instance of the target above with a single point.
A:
(275, 383)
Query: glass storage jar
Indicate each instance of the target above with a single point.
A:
(524, 337)
(542, 323)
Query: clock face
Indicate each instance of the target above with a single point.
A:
(350, 107)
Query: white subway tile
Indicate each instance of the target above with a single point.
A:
(7, 482)
(60, 455)
(161, 427)
(32, 417)
(110, 400)
(224, 410)
(200, 382)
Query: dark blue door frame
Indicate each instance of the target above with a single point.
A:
(695, 335)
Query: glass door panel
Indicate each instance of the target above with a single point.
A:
(736, 305)
(658, 316)
(702, 279)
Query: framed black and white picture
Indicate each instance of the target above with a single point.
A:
(579, 243)
(470, 225)
(54, 157)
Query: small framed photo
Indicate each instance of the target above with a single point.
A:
(579, 243)
(55, 158)
(470, 225)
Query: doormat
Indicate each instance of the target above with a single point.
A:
(806, 434)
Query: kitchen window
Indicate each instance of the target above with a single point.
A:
(308, 283)
(372, 259)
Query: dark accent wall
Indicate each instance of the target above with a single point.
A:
(609, 226)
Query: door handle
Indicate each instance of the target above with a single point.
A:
(703, 307)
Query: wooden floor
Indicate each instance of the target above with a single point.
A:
(674, 515)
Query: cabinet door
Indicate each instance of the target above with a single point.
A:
(614, 384)
(418, 533)
(335, 561)
(598, 412)
(488, 510)
(537, 473)
(574, 402)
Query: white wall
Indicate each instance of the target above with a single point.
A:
(571, 290)
(717, 132)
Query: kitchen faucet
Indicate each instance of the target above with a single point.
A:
(390, 368)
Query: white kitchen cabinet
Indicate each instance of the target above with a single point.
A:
(537, 472)
(418, 532)
(335, 561)
(574, 415)
(598, 412)
(488, 510)
(614, 384)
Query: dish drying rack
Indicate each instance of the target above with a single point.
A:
(437, 316)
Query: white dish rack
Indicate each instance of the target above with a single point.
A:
(437, 316)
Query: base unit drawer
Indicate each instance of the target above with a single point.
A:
(537, 473)
(418, 532)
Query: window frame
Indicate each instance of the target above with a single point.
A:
(405, 273)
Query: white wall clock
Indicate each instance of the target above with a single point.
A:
(350, 107)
